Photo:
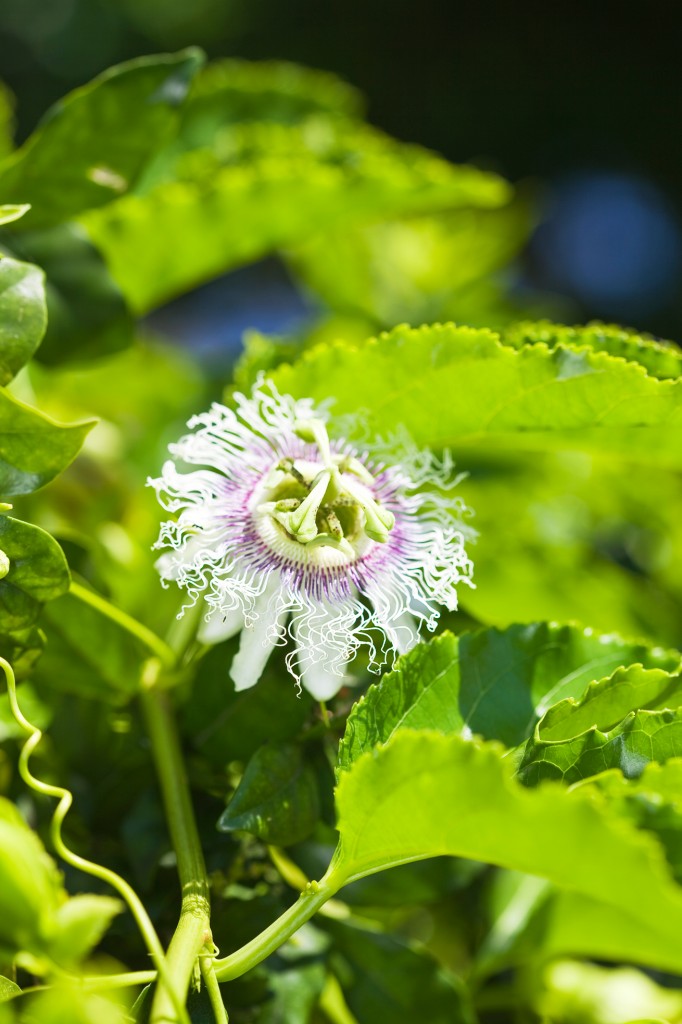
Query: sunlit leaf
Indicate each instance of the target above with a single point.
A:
(81, 922)
(273, 185)
(495, 683)
(624, 722)
(30, 887)
(660, 359)
(424, 794)
(460, 387)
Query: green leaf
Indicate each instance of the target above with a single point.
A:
(92, 146)
(660, 359)
(6, 120)
(219, 719)
(580, 540)
(495, 683)
(23, 315)
(424, 794)
(9, 213)
(87, 653)
(65, 1003)
(575, 993)
(8, 990)
(37, 573)
(271, 186)
(386, 979)
(619, 723)
(30, 888)
(22, 648)
(81, 923)
(456, 386)
(533, 923)
(228, 92)
(575, 925)
(651, 801)
(415, 270)
(33, 447)
(277, 798)
(294, 993)
(87, 315)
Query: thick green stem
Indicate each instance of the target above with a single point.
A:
(193, 929)
(254, 952)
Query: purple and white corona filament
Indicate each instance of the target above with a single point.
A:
(286, 534)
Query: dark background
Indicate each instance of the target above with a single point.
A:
(581, 98)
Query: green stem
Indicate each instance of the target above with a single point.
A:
(65, 799)
(254, 952)
(151, 641)
(193, 929)
(207, 963)
(101, 982)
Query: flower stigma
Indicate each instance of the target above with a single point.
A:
(291, 537)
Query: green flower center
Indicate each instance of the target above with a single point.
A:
(326, 502)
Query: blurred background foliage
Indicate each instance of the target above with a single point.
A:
(272, 206)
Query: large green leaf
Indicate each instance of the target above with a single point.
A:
(87, 315)
(37, 573)
(33, 447)
(414, 270)
(92, 146)
(272, 185)
(229, 92)
(619, 723)
(495, 683)
(580, 539)
(566, 923)
(384, 978)
(660, 359)
(457, 386)
(23, 315)
(579, 993)
(424, 794)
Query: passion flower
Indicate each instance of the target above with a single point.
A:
(287, 535)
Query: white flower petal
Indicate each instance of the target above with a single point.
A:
(323, 642)
(319, 682)
(404, 633)
(257, 640)
(220, 625)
